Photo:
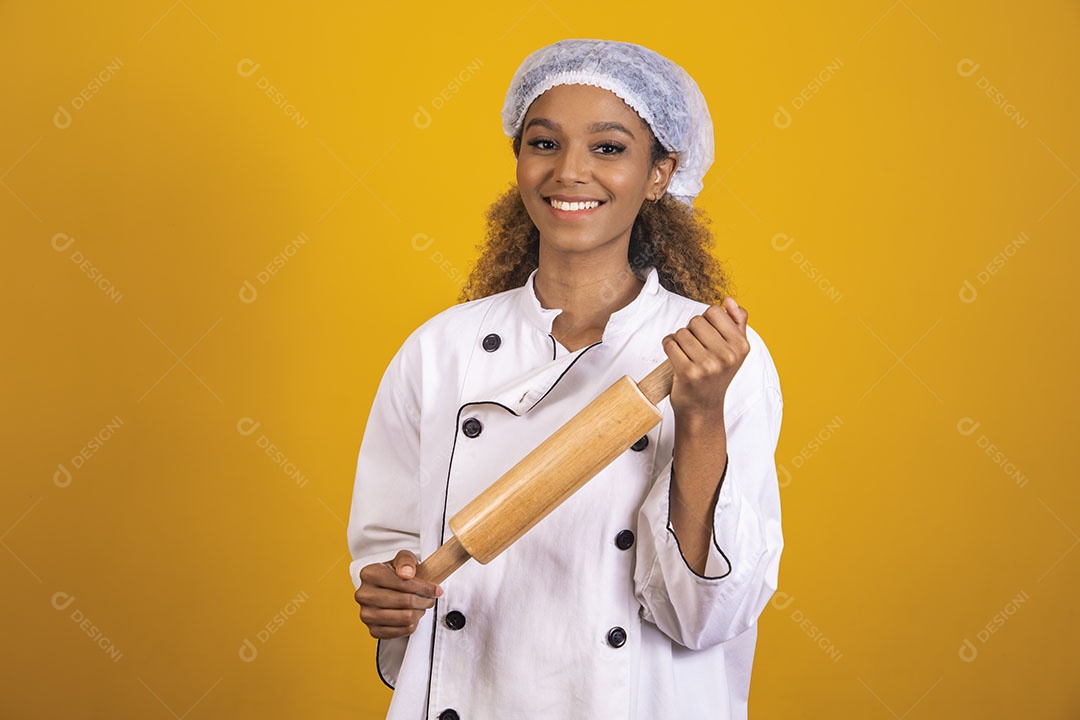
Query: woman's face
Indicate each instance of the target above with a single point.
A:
(585, 167)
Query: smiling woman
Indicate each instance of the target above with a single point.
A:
(638, 596)
(573, 165)
(667, 234)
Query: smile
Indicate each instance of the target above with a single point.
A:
(574, 206)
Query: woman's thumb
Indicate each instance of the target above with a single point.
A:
(405, 564)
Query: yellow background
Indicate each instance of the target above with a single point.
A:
(898, 180)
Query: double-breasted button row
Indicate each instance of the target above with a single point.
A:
(491, 342)
(640, 444)
(449, 714)
(472, 427)
(616, 637)
(624, 540)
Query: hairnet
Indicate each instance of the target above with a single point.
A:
(661, 92)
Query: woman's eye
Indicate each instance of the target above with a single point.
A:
(610, 148)
(542, 144)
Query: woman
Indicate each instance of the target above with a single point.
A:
(639, 596)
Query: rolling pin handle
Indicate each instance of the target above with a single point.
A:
(438, 566)
(657, 385)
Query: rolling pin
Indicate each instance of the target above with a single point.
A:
(552, 472)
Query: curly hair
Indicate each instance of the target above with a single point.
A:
(667, 234)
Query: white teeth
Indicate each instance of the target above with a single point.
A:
(574, 206)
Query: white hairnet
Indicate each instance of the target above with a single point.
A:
(661, 92)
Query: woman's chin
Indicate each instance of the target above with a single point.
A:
(564, 239)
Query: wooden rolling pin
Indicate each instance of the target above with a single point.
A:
(552, 472)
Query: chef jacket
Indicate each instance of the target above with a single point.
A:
(594, 612)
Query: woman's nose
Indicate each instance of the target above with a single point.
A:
(571, 166)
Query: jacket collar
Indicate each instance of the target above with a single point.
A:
(523, 392)
(622, 322)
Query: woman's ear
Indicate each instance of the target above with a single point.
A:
(661, 173)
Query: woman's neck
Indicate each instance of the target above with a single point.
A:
(588, 289)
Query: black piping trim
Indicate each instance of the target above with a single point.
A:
(671, 481)
(552, 345)
(446, 493)
(378, 669)
(563, 373)
(442, 536)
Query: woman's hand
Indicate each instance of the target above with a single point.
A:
(705, 356)
(392, 600)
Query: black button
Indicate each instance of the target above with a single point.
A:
(640, 444)
(492, 342)
(449, 714)
(624, 539)
(455, 620)
(471, 427)
(616, 637)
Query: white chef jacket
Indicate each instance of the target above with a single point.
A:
(579, 618)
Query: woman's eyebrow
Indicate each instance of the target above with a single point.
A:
(596, 127)
(610, 125)
(543, 122)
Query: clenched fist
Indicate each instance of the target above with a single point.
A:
(392, 600)
(705, 356)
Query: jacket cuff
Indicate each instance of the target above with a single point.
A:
(717, 564)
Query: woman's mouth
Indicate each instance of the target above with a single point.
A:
(573, 208)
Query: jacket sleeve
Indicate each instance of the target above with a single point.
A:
(385, 516)
(699, 611)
